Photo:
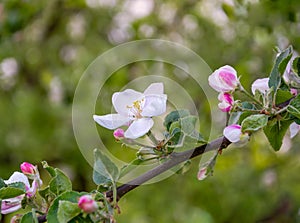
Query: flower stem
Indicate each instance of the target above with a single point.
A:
(152, 137)
(249, 95)
(281, 110)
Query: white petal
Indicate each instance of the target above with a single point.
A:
(233, 133)
(294, 129)
(139, 128)
(111, 121)
(18, 177)
(262, 85)
(121, 100)
(154, 105)
(155, 88)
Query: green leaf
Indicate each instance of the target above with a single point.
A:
(282, 96)
(254, 122)
(10, 192)
(50, 169)
(248, 105)
(67, 210)
(275, 131)
(29, 217)
(60, 183)
(2, 184)
(188, 124)
(294, 107)
(47, 194)
(105, 171)
(279, 67)
(296, 65)
(71, 196)
(175, 116)
(18, 185)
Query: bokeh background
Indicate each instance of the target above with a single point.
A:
(45, 46)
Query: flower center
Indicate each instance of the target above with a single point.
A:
(136, 109)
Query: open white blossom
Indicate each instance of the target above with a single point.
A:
(135, 109)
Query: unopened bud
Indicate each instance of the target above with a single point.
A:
(119, 133)
(87, 204)
(28, 168)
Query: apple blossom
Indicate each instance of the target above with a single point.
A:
(87, 204)
(262, 85)
(14, 204)
(234, 133)
(226, 102)
(294, 129)
(224, 79)
(135, 110)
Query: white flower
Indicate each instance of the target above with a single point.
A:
(234, 134)
(262, 85)
(14, 204)
(224, 79)
(294, 129)
(135, 109)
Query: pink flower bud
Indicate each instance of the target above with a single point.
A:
(28, 168)
(119, 133)
(261, 85)
(87, 204)
(202, 173)
(226, 102)
(224, 79)
(233, 132)
(294, 91)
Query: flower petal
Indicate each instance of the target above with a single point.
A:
(262, 85)
(223, 79)
(7, 208)
(139, 128)
(121, 100)
(154, 105)
(294, 129)
(233, 133)
(111, 121)
(18, 177)
(155, 88)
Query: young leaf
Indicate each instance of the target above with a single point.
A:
(296, 65)
(275, 131)
(282, 96)
(105, 171)
(2, 184)
(10, 192)
(29, 217)
(279, 67)
(50, 169)
(175, 116)
(47, 194)
(67, 210)
(254, 122)
(294, 107)
(71, 196)
(60, 183)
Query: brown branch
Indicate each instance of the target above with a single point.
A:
(175, 159)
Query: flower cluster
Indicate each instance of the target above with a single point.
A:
(29, 171)
(264, 98)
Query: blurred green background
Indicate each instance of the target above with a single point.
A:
(45, 46)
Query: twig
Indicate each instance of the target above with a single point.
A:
(175, 159)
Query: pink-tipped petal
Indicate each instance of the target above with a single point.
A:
(233, 133)
(139, 128)
(118, 134)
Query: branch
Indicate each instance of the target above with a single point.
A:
(175, 159)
